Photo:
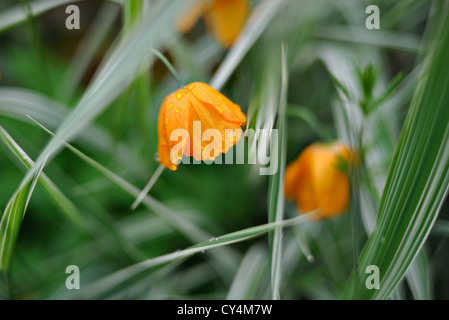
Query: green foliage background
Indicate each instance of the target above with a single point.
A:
(308, 68)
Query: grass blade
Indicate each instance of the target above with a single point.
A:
(259, 20)
(68, 208)
(418, 180)
(276, 191)
(148, 187)
(18, 103)
(116, 73)
(248, 277)
(12, 218)
(419, 278)
(226, 259)
(109, 282)
(382, 38)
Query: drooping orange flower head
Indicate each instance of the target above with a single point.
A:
(224, 18)
(197, 121)
(317, 179)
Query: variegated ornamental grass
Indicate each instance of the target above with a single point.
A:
(76, 153)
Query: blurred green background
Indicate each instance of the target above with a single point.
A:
(45, 71)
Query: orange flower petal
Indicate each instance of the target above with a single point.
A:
(163, 146)
(211, 118)
(305, 194)
(315, 180)
(178, 116)
(226, 19)
(215, 100)
(175, 114)
(330, 184)
(292, 173)
(182, 109)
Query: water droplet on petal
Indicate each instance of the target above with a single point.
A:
(179, 95)
(177, 110)
(219, 109)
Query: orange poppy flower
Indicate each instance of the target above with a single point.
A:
(224, 19)
(316, 180)
(195, 109)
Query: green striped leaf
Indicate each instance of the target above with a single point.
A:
(12, 218)
(418, 179)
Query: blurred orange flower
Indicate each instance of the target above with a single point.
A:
(224, 18)
(195, 109)
(317, 179)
